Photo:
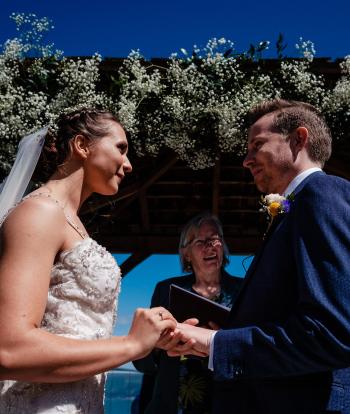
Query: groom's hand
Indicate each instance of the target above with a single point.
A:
(193, 340)
(172, 338)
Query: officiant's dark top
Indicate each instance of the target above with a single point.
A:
(173, 383)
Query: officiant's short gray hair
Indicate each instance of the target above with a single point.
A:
(189, 231)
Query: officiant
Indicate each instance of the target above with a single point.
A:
(183, 384)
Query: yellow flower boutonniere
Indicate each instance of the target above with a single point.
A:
(274, 205)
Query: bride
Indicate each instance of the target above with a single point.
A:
(58, 287)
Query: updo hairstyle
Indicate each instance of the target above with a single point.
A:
(89, 122)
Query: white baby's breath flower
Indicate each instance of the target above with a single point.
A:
(24, 108)
(271, 198)
(195, 104)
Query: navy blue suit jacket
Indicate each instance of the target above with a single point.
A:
(288, 346)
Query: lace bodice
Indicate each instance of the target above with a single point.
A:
(82, 298)
(83, 290)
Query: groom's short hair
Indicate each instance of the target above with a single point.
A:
(289, 115)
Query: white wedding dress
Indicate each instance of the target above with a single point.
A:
(82, 300)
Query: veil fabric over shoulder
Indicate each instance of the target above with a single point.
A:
(15, 184)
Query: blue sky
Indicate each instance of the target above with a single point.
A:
(159, 28)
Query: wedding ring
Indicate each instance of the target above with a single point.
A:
(161, 315)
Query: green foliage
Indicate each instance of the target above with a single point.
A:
(37, 83)
(194, 104)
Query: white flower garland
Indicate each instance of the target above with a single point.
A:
(194, 105)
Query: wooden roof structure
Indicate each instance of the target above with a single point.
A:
(162, 194)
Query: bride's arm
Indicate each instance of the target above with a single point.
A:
(31, 238)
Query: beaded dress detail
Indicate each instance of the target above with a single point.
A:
(81, 304)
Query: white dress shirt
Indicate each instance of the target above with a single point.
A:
(298, 179)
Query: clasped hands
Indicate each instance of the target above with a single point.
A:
(187, 339)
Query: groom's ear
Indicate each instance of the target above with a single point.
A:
(80, 146)
(301, 138)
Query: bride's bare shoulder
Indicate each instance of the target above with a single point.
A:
(33, 214)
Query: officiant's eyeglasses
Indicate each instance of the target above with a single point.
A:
(202, 243)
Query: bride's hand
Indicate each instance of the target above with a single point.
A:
(170, 339)
(147, 328)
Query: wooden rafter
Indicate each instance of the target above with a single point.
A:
(144, 210)
(338, 167)
(216, 188)
(168, 244)
(152, 178)
(106, 201)
(132, 261)
(163, 195)
(131, 192)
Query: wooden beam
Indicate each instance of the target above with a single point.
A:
(131, 192)
(125, 192)
(159, 171)
(132, 261)
(144, 210)
(153, 177)
(150, 244)
(216, 188)
(338, 167)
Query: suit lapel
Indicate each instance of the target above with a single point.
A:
(254, 264)
(274, 226)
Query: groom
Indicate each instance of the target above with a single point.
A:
(287, 349)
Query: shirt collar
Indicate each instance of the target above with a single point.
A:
(299, 179)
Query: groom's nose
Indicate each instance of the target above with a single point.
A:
(248, 160)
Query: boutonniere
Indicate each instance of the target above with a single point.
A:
(275, 205)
